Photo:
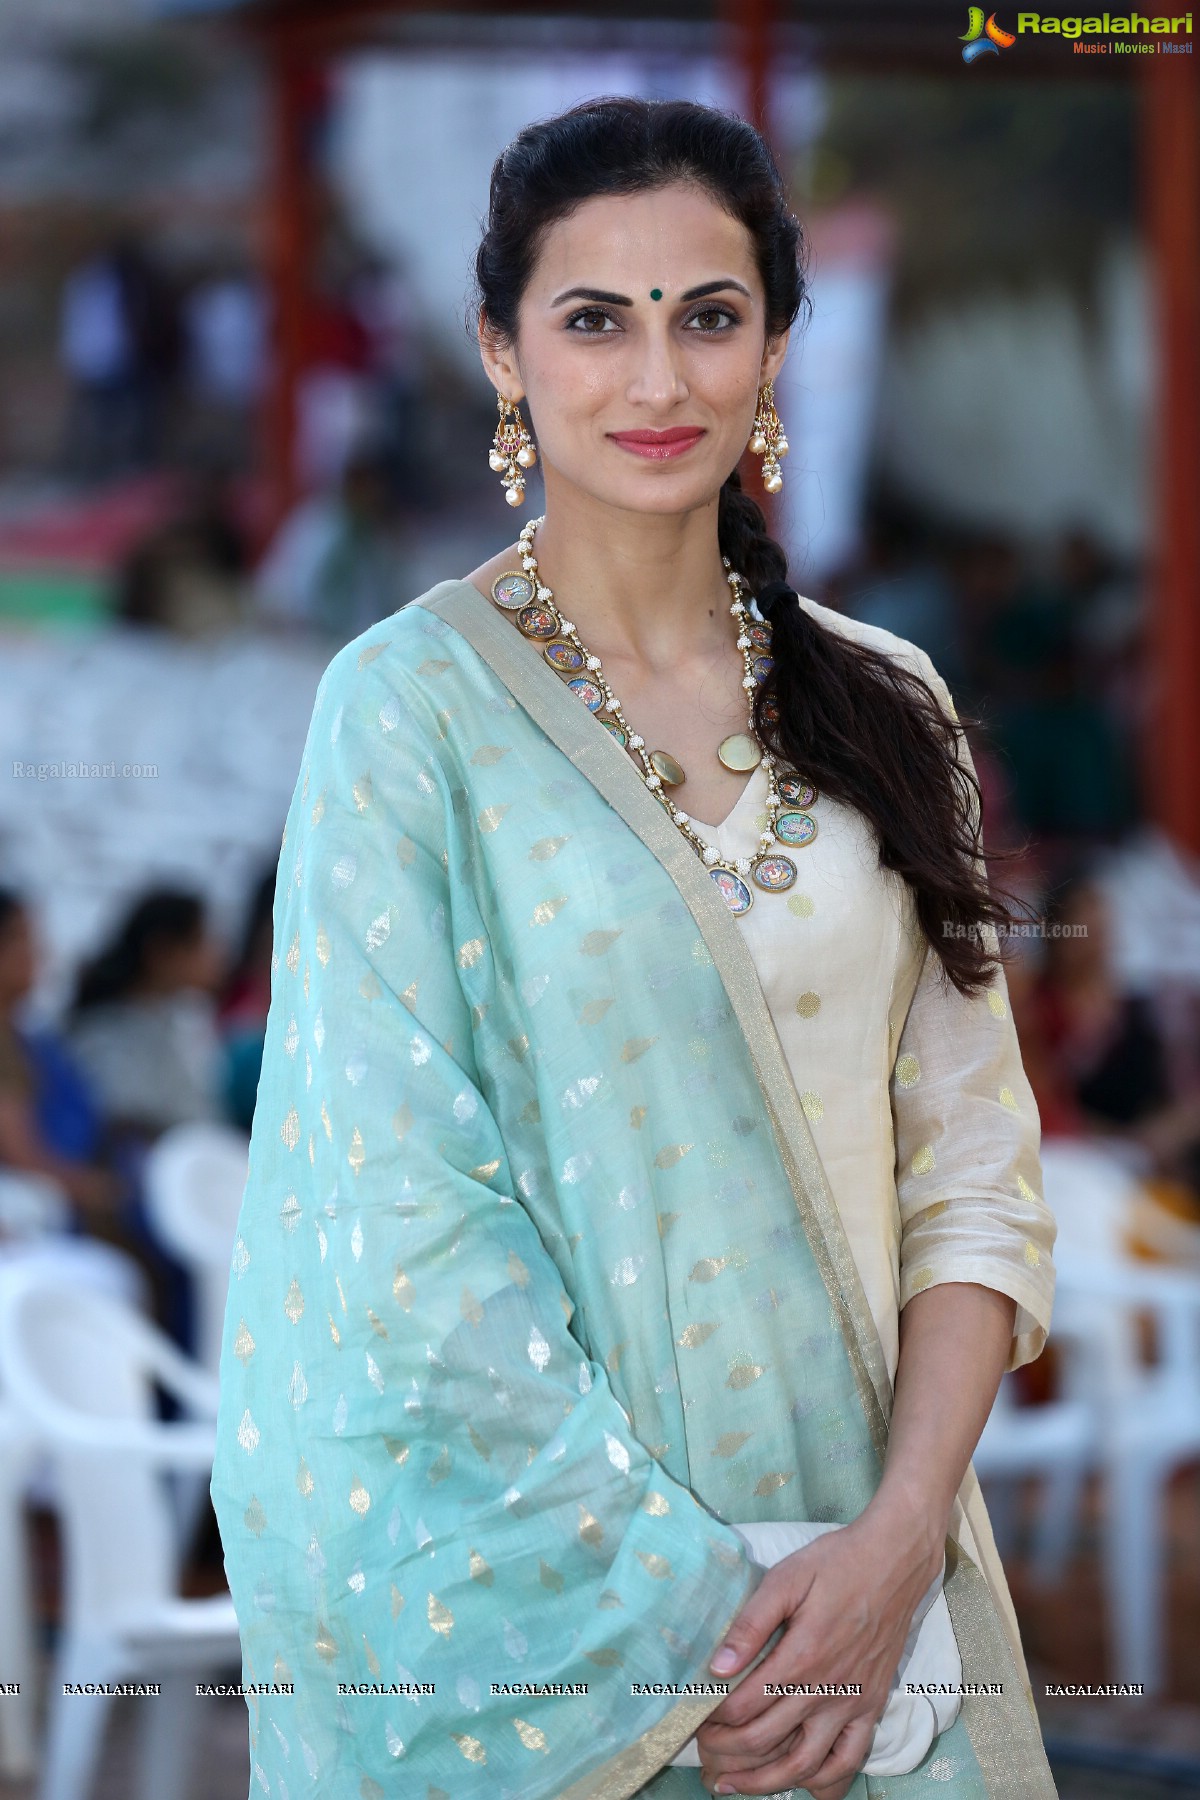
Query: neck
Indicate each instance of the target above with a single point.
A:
(645, 588)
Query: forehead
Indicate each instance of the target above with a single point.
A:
(672, 237)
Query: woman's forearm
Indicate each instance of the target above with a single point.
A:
(954, 1344)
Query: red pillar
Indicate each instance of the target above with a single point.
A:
(295, 93)
(749, 27)
(1171, 175)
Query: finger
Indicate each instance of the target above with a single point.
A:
(792, 1662)
(804, 1753)
(739, 1746)
(749, 1742)
(847, 1754)
(771, 1604)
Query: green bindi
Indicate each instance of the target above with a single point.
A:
(656, 293)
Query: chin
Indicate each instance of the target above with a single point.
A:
(662, 494)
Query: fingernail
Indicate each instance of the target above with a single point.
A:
(724, 1659)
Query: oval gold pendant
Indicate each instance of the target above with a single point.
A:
(664, 764)
(739, 751)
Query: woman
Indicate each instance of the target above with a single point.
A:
(142, 1025)
(49, 1124)
(143, 1018)
(588, 1177)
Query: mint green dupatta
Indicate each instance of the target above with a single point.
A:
(538, 1280)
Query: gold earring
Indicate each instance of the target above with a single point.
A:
(512, 451)
(767, 439)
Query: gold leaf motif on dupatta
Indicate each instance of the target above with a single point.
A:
(730, 1442)
(590, 1528)
(656, 1565)
(471, 1747)
(440, 1617)
(546, 847)
(545, 910)
(670, 1154)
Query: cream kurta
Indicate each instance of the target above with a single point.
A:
(916, 1096)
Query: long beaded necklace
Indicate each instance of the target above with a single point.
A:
(526, 597)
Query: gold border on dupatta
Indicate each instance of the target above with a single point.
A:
(1002, 1728)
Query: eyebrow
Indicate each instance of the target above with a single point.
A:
(696, 293)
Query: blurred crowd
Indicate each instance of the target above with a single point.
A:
(168, 369)
(162, 1029)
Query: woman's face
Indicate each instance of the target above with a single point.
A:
(598, 356)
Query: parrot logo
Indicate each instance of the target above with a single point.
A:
(980, 39)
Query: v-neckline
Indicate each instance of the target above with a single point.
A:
(704, 824)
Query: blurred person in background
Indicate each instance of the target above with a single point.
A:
(900, 587)
(337, 563)
(244, 1001)
(1107, 1070)
(225, 358)
(50, 1123)
(1026, 668)
(385, 299)
(119, 347)
(191, 574)
(142, 1022)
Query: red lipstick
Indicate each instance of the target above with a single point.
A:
(658, 445)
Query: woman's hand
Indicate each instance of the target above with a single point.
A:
(847, 1602)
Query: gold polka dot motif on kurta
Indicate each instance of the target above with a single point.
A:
(808, 1004)
(924, 1160)
(908, 1070)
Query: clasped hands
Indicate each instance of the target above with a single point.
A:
(846, 1602)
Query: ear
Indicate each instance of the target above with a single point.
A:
(499, 362)
(773, 356)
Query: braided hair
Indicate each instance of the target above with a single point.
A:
(860, 724)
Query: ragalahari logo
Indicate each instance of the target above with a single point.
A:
(980, 39)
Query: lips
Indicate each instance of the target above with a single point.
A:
(659, 443)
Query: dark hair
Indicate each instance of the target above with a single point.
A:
(867, 730)
(162, 916)
(259, 916)
(12, 905)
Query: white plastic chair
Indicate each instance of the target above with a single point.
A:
(1147, 1416)
(194, 1177)
(1055, 1441)
(25, 1475)
(1150, 1428)
(31, 1205)
(81, 1367)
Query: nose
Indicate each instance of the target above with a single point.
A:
(657, 381)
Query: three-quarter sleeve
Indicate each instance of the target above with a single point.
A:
(967, 1136)
(439, 1526)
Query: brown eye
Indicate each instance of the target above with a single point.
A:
(589, 312)
(723, 317)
